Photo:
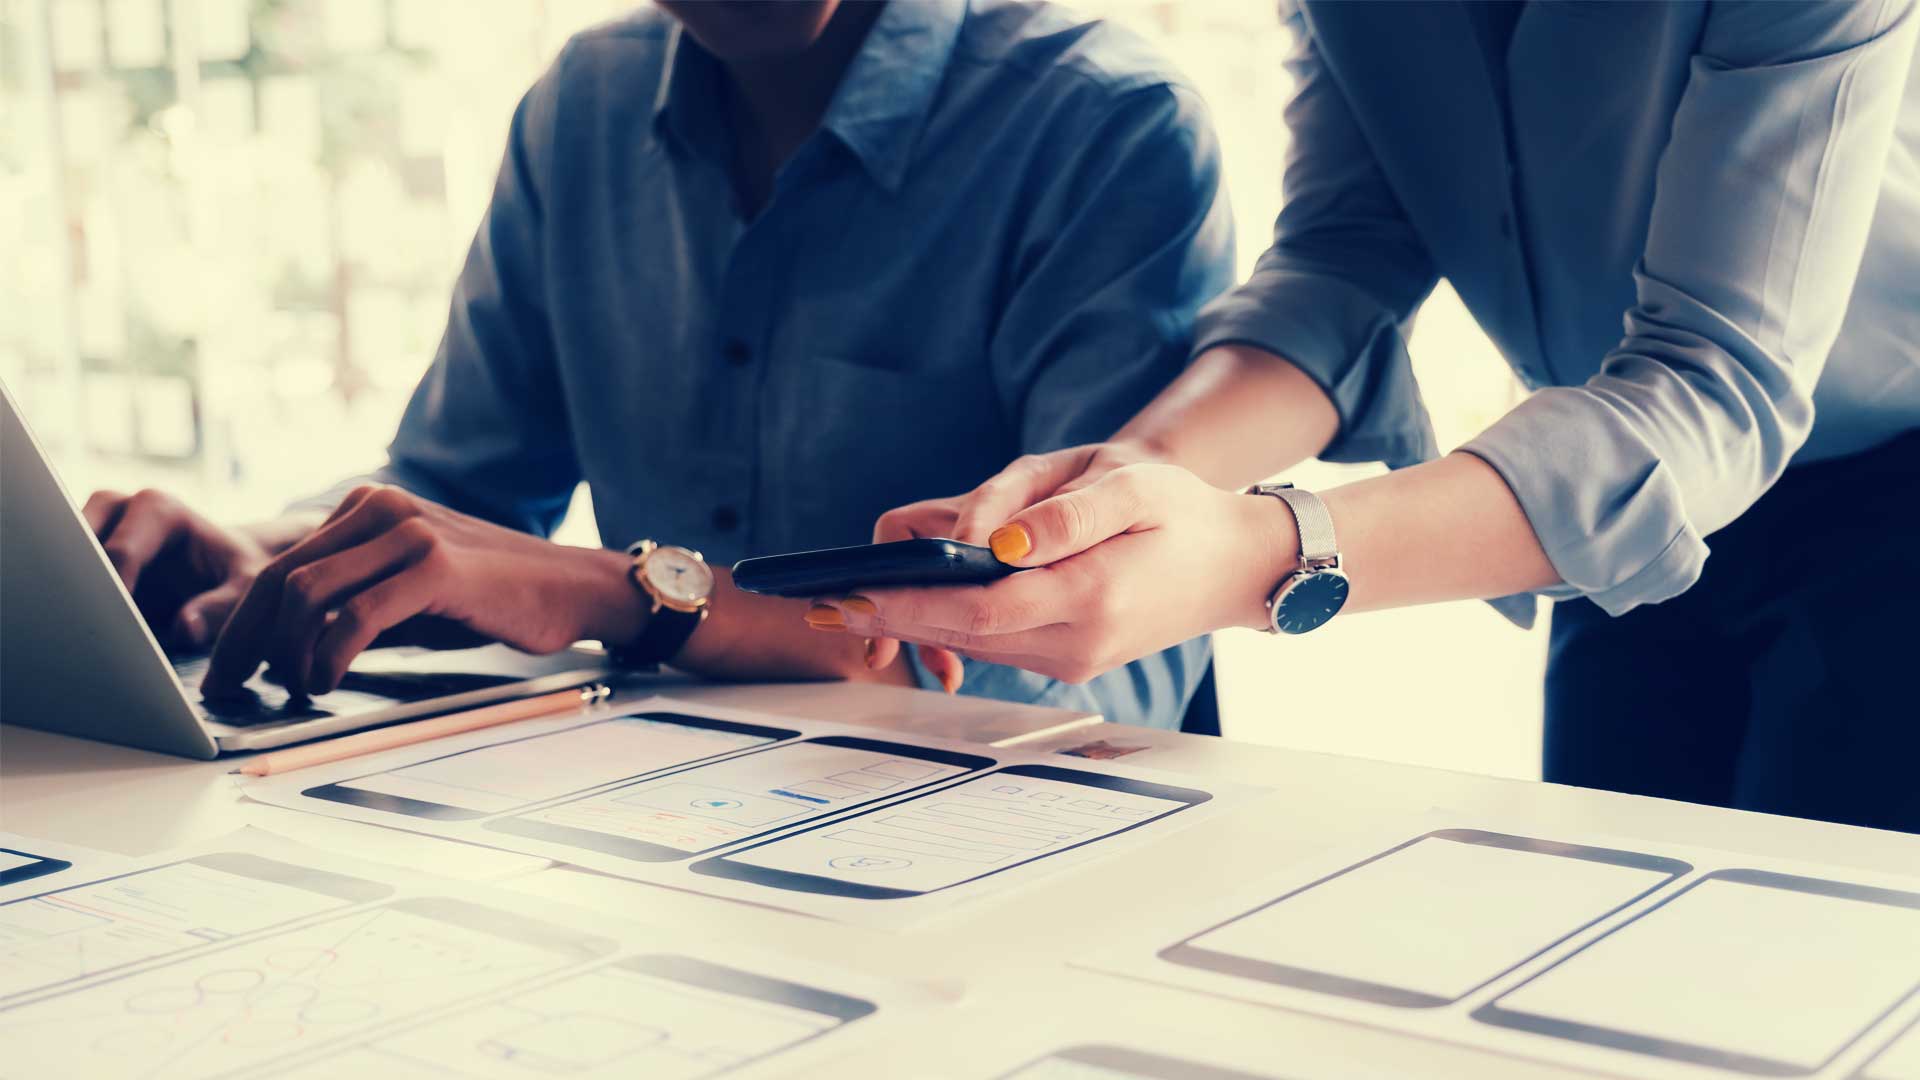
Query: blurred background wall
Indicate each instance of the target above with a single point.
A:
(230, 227)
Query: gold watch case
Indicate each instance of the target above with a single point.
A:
(675, 578)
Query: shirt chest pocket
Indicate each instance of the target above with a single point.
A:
(852, 440)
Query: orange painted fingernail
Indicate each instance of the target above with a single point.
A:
(950, 678)
(825, 617)
(860, 605)
(1010, 541)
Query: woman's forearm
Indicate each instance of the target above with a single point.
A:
(1236, 416)
(1446, 530)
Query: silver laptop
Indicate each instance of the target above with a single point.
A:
(77, 658)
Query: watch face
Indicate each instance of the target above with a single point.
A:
(1310, 601)
(678, 576)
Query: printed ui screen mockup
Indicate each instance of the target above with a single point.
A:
(73, 933)
(510, 775)
(1428, 922)
(710, 806)
(1766, 968)
(969, 830)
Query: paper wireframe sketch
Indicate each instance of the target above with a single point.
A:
(822, 818)
(258, 954)
(1649, 959)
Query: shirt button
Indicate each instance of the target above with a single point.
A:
(726, 519)
(737, 353)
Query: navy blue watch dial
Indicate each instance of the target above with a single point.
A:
(1310, 601)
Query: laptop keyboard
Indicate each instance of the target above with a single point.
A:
(261, 701)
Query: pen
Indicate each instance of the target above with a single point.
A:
(388, 738)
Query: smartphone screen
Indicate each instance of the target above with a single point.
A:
(664, 1017)
(239, 1006)
(101, 926)
(513, 775)
(706, 807)
(1744, 969)
(1106, 1062)
(19, 866)
(1430, 921)
(991, 823)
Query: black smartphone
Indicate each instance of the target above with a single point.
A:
(806, 574)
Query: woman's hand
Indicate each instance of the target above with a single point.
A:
(977, 518)
(386, 558)
(1137, 559)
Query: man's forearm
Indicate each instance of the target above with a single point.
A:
(1237, 415)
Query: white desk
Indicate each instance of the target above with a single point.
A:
(134, 802)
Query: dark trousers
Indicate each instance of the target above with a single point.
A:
(1787, 680)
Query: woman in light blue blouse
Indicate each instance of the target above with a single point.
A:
(1694, 231)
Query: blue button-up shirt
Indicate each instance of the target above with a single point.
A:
(1692, 228)
(995, 244)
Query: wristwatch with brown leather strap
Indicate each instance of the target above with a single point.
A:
(678, 584)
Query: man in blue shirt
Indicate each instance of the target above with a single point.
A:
(756, 273)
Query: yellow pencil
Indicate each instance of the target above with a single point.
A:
(371, 742)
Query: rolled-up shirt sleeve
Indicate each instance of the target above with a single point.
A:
(1765, 195)
(1336, 293)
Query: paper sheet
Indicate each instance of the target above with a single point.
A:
(256, 955)
(1899, 1060)
(29, 865)
(1645, 959)
(827, 819)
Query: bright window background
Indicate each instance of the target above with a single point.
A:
(231, 227)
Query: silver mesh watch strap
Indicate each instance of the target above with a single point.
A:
(1317, 546)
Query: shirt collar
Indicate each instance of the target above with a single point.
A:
(877, 112)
